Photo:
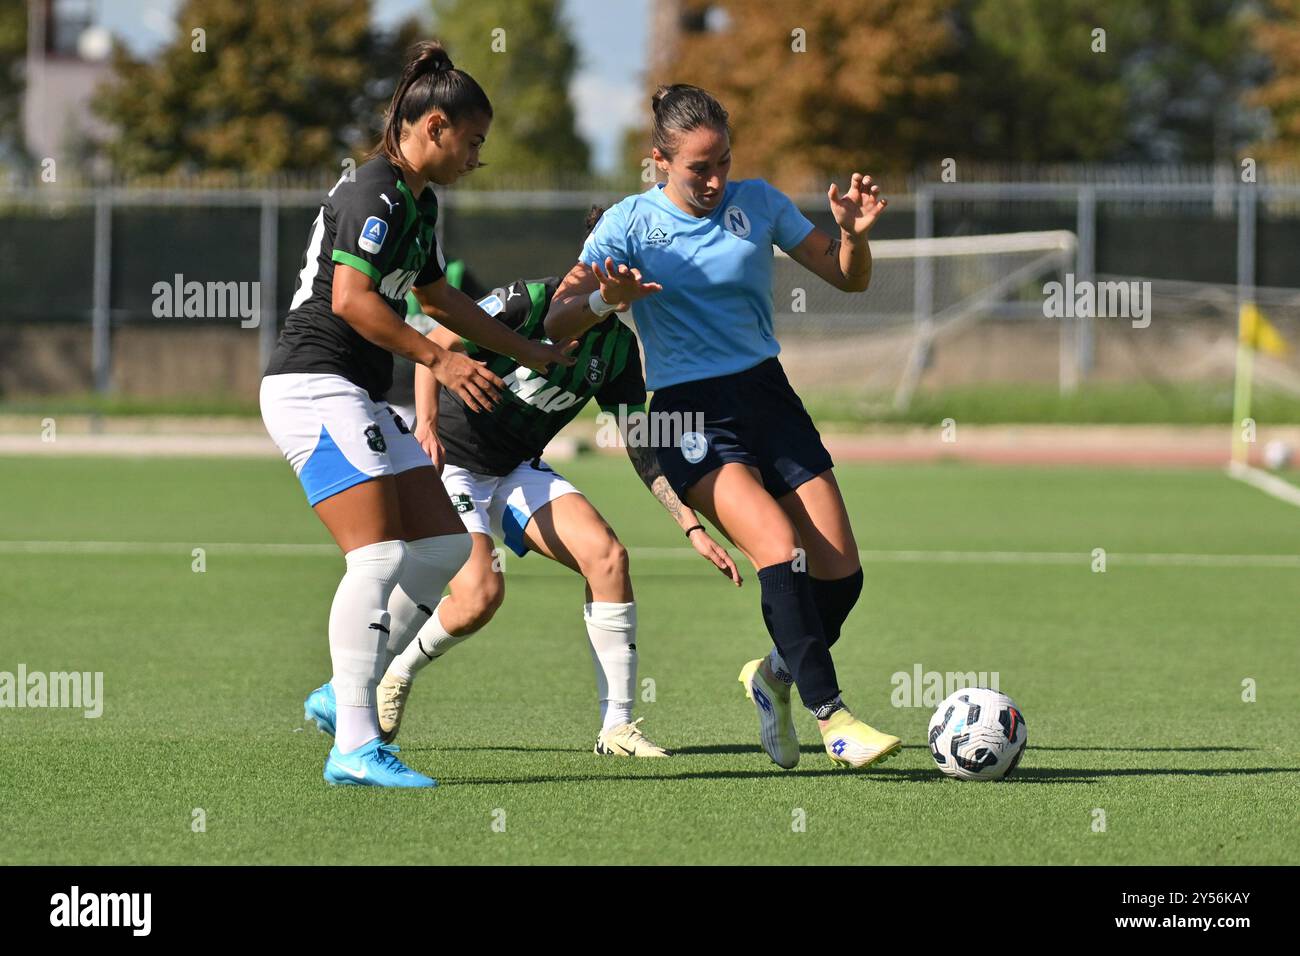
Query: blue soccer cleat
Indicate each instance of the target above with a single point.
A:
(373, 765)
(321, 707)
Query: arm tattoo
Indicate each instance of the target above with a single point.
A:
(834, 248)
(647, 466)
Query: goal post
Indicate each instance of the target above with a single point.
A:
(1261, 351)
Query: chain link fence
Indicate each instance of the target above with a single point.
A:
(163, 291)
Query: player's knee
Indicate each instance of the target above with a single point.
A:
(494, 595)
(432, 562)
(607, 564)
(481, 602)
(382, 562)
(779, 550)
(832, 563)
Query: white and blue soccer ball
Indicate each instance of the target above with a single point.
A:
(977, 734)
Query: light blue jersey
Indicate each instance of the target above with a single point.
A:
(714, 315)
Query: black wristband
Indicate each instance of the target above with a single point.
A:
(694, 527)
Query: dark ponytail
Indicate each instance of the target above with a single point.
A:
(681, 108)
(429, 81)
(593, 217)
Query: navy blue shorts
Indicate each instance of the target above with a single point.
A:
(753, 417)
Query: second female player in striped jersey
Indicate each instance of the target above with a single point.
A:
(495, 476)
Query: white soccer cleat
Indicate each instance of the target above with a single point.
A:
(775, 722)
(390, 700)
(626, 740)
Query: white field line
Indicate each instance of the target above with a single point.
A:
(163, 547)
(1081, 558)
(1272, 485)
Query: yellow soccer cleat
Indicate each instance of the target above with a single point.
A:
(390, 701)
(851, 743)
(626, 740)
(775, 724)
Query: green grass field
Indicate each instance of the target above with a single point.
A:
(1131, 681)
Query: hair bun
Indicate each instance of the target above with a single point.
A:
(658, 98)
(691, 108)
(429, 56)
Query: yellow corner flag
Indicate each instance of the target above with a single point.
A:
(1259, 333)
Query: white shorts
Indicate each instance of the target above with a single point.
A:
(503, 505)
(406, 413)
(333, 434)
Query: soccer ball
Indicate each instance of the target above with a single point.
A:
(977, 734)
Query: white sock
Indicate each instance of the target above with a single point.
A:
(777, 663)
(431, 643)
(358, 629)
(611, 629)
(430, 564)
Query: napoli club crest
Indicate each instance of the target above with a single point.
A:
(736, 222)
(694, 446)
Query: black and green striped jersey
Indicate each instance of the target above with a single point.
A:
(533, 406)
(372, 223)
(403, 390)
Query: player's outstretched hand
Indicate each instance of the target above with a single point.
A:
(472, 381)
(621, 286)
(542, 355)
(858, 209)
(426, 433)
(717, 554)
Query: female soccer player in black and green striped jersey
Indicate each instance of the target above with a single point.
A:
(757, 469)
(493, 470)
(322, 395)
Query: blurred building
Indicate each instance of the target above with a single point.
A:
(670, 20)
(67, 57)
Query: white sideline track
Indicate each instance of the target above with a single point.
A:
(1082, 559)
(1269, 484)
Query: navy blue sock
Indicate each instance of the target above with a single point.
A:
(835, 599)
(795, 625)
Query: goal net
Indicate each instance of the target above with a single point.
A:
(875, 349)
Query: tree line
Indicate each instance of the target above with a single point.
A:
(813, 87)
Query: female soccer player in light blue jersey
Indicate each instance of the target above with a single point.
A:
(757, 468)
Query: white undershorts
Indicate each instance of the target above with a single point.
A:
(502, 505)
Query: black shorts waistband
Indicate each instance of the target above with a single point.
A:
(767, 366)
